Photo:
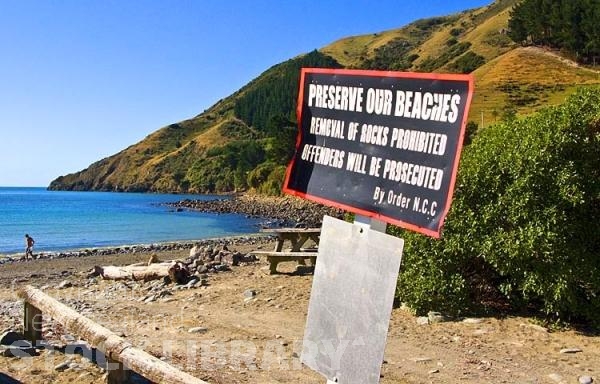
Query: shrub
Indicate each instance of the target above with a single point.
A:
(273, 185)
(451, 41)
(432, 63)
(259, 175)
(456, 31)
(467, 63)
(524, 219)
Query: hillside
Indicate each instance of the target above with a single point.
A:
(244, 141)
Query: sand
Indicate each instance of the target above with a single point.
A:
(244, 337)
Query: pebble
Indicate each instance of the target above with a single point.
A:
(472, 320)
(422, 320)
(84, 376)
(62, 366)
(570, 350)
(585, 380)
(150, 299)
(421, 359)
(435, 317)
(198, 330)
(538, 328)
(64, 284)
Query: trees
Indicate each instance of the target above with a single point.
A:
(571, 25)
(274, 93)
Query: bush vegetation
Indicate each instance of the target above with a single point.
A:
(392, 56)
(430, 64)
(523, 228)
(467, 63)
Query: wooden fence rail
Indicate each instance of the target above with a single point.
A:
(115, 348)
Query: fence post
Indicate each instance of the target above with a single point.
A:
(32, 326)
(117, 373)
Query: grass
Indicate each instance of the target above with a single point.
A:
(352, 51)
(530, 76)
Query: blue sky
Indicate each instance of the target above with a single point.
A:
(81, 80)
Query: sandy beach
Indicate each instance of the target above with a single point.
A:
(244, 326)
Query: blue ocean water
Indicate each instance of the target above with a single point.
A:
(60, 220)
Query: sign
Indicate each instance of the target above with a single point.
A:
(381, 144)
(350, 302)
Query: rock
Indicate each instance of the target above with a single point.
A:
(84, 376)
(555, 377)
(64, 284)
(230, 258)
(422, 320)
(421, 359)
(570, 350)
(194, 280)
(198, 330)
(538, 328)
(222, 268)
(585, 380)
(248, 293)
(435, 317)
(150, 299)
(62, 366)
(472, 320)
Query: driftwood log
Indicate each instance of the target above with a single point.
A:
(114, 347)
(176, 271)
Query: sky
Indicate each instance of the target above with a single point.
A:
(81, 80)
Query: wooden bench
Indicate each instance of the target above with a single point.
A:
(276, 257)
(298, 237)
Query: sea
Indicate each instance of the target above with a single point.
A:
(65, 220)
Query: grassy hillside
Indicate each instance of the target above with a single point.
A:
(524, 80)
(244, 141)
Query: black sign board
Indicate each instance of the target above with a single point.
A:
(381, 144)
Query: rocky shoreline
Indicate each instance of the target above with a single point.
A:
(280, 211)
(143, 248)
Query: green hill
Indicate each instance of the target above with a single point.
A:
(244, 141)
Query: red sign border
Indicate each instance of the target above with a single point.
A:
(372, 73)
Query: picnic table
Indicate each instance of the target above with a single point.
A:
(298, 238)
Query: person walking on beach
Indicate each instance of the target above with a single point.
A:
(29, 249)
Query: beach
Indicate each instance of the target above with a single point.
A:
(241, 325)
